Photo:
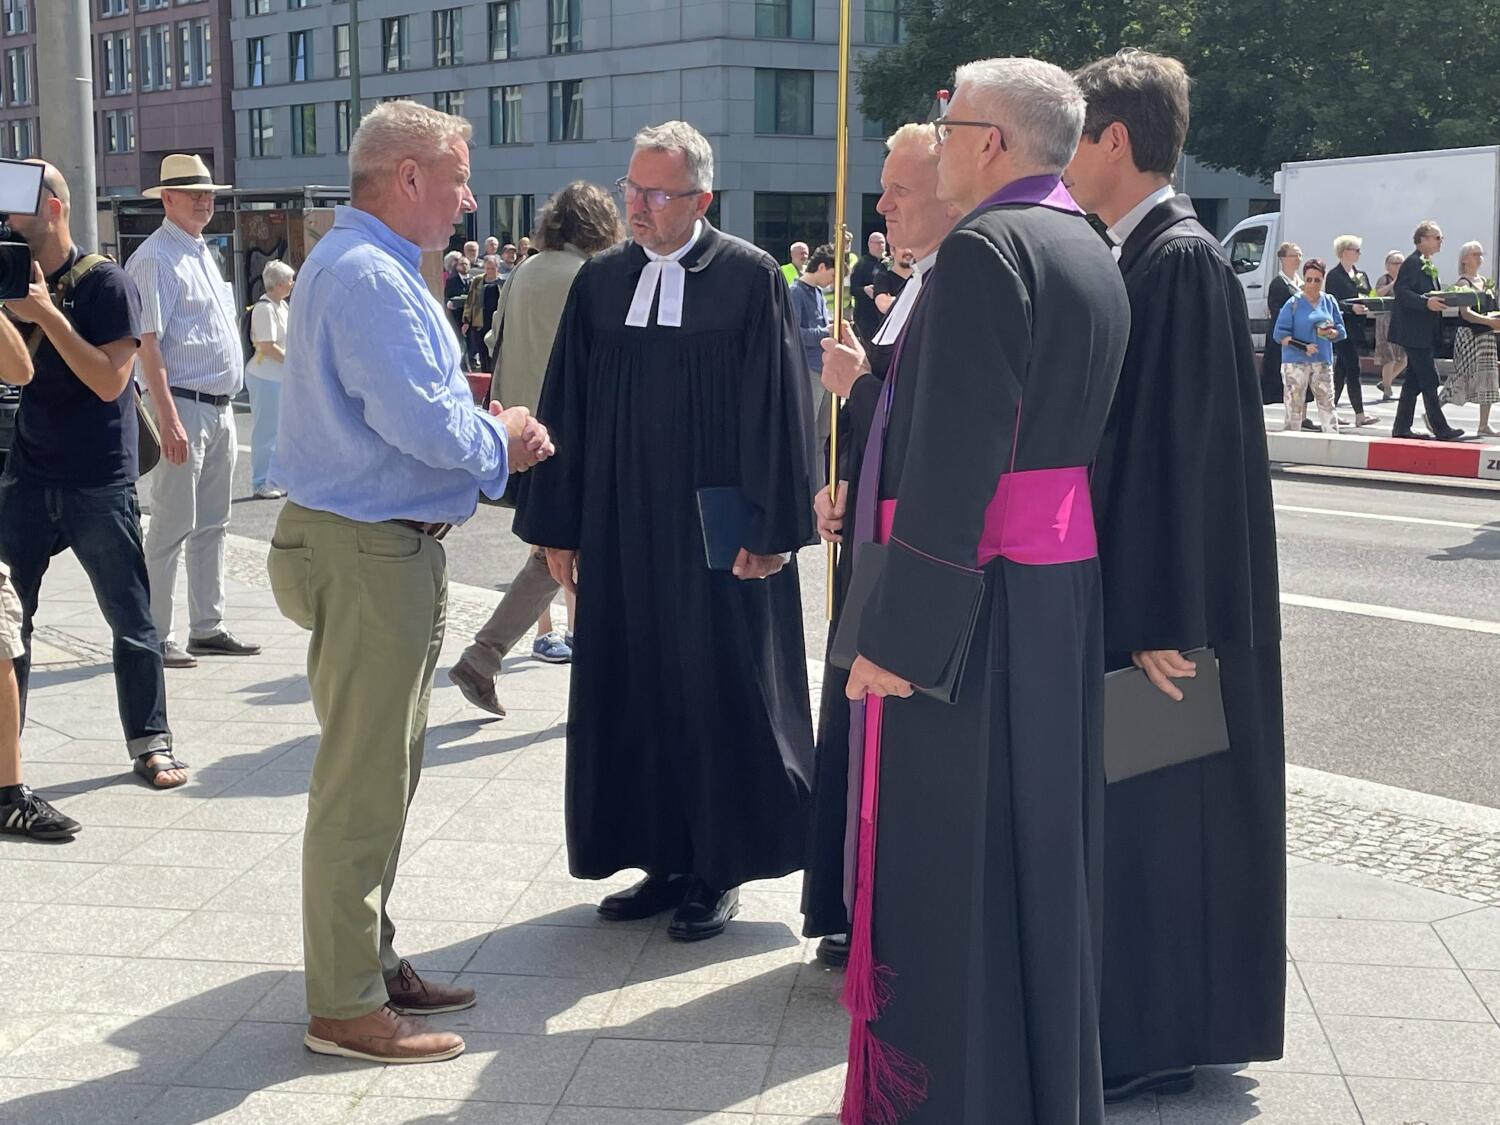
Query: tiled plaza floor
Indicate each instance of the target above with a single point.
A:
(153, 974)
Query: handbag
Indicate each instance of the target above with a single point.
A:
(148, 437)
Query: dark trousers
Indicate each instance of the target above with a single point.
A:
(1346, 374)
(1421, 378)
(103, 527)
(479, 355)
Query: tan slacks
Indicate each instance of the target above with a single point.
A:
(374, 596)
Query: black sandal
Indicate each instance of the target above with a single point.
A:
(150, 772)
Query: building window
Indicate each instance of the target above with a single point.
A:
(502, 30)
(257, 63)
(784, 19)
(156, 57)
(119, 131)
(782, 218)
(784, 101)
(108, 8)
(447, 37)
(299, 55)
(13, 17)
(393, 43)
(883, 22)
(114, 51)
(195, 65)
(505, 115)
(152, 5)
(17, 76)
(341, 126)
(566, 26)
(304, 130)
(510, 217)
(262, 134)
(341, 50)
(294, 5)
(565, 114)
(449, 101)
(20, 139)
(257, 7)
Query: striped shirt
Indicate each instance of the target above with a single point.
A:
(188, 305)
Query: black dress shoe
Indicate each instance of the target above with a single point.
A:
(222, 643)
(1311, 426)
(704, 912)
(833, 951)
(651, 896)
(1405, 435)
(1453, 433)
(1178, 1080)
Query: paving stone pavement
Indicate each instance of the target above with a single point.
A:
(154, 962)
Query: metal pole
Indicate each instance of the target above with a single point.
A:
(354, 98)
(840, 268)
(65, 83)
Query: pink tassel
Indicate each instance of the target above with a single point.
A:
(883, 1083)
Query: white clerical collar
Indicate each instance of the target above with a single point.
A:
(1125, 226)
(895, 321)
(1291, 279)
(663, 272)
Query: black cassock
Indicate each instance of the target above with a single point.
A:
(689, 724)
(823, 908)
(986, 868)
(1195, 860)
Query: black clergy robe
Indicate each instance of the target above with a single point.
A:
(824, 911)
(986, 872)
(1195, 860)
(689, 722)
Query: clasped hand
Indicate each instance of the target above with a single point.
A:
(529, 441)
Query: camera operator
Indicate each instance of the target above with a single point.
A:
(70, 481)
(22, 812)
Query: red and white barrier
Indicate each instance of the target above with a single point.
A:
(1468, 459)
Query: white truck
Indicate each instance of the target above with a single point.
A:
(1379, 198)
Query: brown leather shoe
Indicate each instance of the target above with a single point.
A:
(410, 993)
(382, 1036)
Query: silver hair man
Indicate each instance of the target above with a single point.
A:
(397, 131)
(679, 136)
(1035, 104)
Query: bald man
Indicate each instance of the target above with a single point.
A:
(793, 270)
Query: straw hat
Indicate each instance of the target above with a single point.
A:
(184, 173)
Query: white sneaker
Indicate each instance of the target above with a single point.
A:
(269, 492)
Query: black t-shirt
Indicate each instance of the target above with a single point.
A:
(491, 300)
(66, 434)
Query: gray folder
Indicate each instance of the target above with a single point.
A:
(1145, 730)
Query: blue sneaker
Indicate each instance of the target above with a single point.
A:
(552, 648)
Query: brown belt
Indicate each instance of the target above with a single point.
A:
(436, 530)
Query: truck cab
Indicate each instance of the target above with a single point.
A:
(1251, 247)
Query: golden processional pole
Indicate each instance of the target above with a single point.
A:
(840, 268)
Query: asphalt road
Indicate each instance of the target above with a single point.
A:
(1374, 688)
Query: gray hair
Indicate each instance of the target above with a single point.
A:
(1036, 104)
(276, 273)
(397, 131)
(491, 260)
(1469, 248)
(451, 259)
(1346, 242)
(680, 137)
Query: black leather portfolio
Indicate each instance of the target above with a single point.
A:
(1145, 730)
(726, 517)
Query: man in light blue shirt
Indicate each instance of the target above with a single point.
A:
(381, 450)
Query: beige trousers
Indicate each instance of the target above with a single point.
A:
(374, 596)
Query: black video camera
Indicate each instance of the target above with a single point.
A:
(20, 194)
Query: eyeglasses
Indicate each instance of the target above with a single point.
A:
(656, 198)
(945, 127)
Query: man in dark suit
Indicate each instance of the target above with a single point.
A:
(1417, 325)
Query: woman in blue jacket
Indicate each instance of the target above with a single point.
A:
(1307, 328)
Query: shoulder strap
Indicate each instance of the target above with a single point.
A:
(85, 265)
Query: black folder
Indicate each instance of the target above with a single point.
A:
(1145, 730)
(869, 566)
(727, 517)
